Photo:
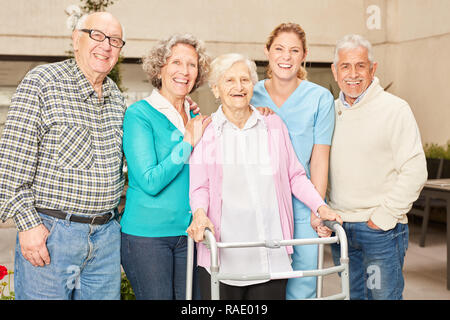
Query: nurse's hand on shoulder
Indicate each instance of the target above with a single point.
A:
(199, 223)
(195, 129)
(265, 111)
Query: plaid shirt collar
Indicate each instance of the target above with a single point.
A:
(86, 88)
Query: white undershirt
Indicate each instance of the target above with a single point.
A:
(249, 204)
(160, 103)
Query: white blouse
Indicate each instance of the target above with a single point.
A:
(160, 103)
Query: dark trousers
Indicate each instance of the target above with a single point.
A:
(156, 267)
(271, 290)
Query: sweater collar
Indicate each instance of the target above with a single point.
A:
(371, 91)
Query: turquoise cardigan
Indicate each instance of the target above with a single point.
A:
(157, 200)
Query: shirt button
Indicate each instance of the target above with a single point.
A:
(339, 112)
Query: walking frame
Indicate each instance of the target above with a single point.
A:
(339, 237)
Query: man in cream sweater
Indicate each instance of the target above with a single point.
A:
(377, 170)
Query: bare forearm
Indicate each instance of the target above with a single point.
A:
(319, 168)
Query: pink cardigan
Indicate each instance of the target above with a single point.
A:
(289, 178)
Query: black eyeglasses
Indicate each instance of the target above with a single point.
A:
(100, 37)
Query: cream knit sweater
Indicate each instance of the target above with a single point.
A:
(377, 163)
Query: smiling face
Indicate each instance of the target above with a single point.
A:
(96, 59)
(235, 87)
(353, 72)
(285, 55)
(180, 72)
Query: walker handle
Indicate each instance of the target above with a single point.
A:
(330, 224)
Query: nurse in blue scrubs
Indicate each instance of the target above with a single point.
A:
(308, 112)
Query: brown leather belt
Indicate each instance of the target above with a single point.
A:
(95, 219)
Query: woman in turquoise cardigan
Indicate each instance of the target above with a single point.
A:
(158, 138)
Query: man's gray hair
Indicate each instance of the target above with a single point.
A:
(224, 62)
(353, 41)
(81, 24)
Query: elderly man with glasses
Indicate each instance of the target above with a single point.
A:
(61, 170)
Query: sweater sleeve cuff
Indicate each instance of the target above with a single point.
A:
(315, 209)
(198, 204)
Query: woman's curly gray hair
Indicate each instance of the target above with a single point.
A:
(157, 58)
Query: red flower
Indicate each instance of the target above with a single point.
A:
(3, 272)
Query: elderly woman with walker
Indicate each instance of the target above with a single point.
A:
(243, 173)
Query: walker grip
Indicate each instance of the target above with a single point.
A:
(330, 224)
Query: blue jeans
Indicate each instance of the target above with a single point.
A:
(376, 261)
(85, 263)
(156, 266)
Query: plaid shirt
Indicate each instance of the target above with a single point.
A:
(61, 147)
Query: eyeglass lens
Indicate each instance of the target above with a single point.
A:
(100, 36)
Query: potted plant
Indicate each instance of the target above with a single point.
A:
(438, 160)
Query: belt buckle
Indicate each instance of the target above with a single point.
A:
(101, 216)
(93, 220)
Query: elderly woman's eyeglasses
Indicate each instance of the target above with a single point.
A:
(100, 37)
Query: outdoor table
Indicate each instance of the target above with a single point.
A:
(440, 189)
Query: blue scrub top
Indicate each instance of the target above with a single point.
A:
(309, 116)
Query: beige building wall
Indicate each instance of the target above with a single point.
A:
(232, 25)
(410, 37)
(417, 51)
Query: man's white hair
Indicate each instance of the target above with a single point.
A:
(81, 22)
(353, 41)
